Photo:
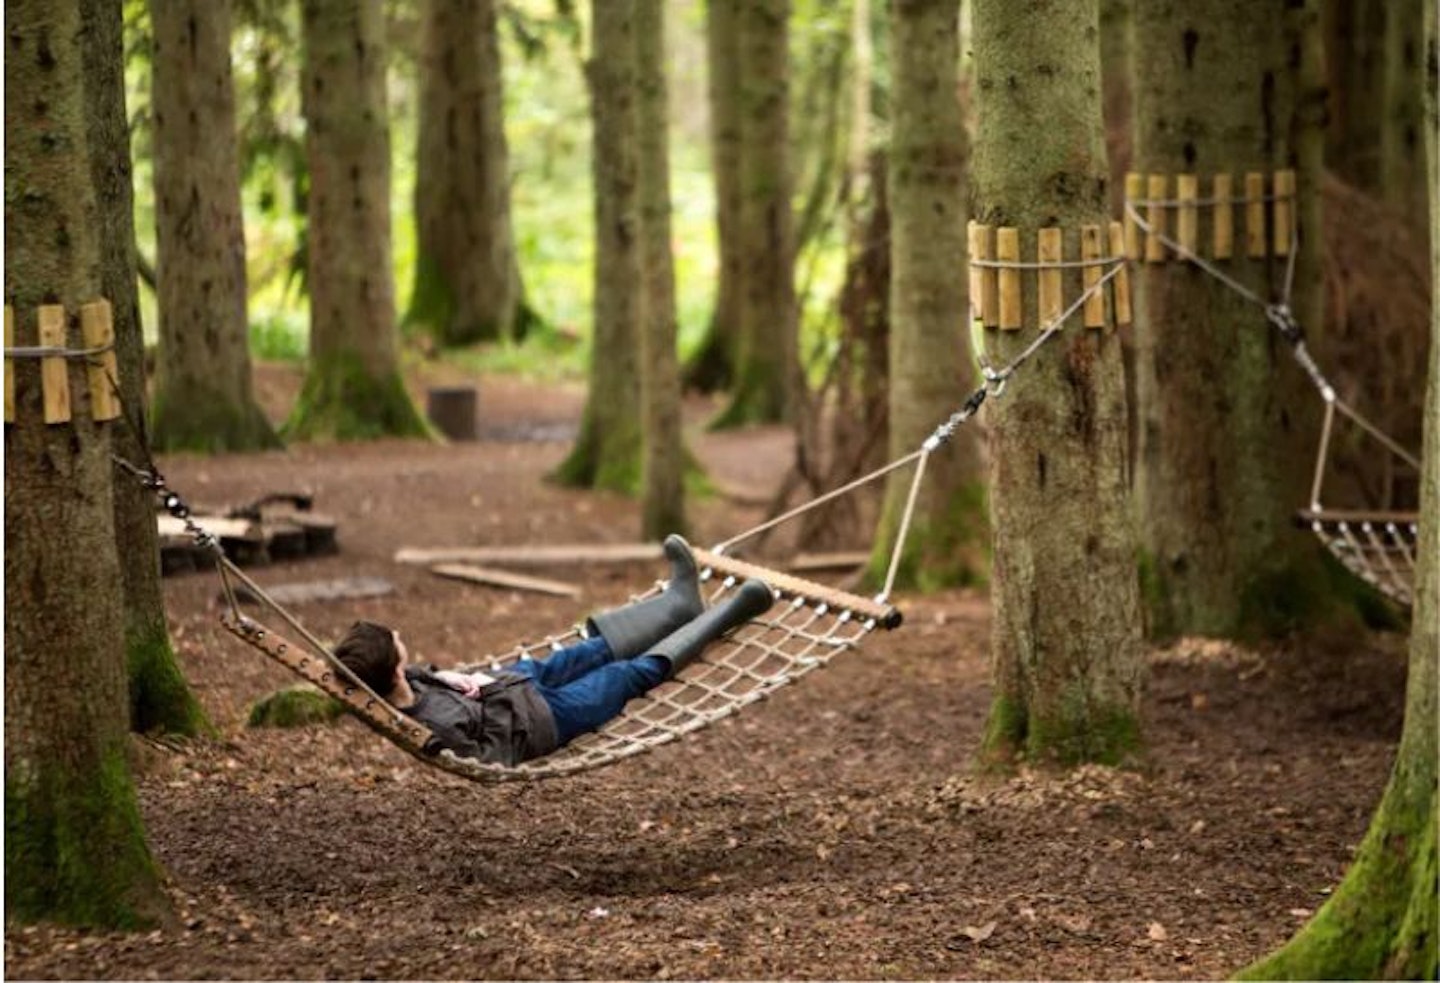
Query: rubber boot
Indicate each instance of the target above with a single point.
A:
(683, 647)
(631, 630)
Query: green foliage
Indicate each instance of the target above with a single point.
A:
(295, 706)
(279, 338)
(75, 848)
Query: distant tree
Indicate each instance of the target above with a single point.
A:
(928, 371)
(713, 365)
(1380, 923)
(159, 696)
(1066, 635)
(1226, 422)
(1402, 144)
(203, 398)
(352, 389)
(608, 451)
(766, 362)
(663, 470)
(74, 842)
(1354, 33)
(467, 278)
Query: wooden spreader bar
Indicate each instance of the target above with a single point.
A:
(884, 615)
(1199, 213)
(1063, 265)
(1335, 517)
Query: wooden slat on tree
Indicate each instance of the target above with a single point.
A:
(1155, 216)
(1187, 217)
(98, 328)
(491, 577)
(1255, 215)
(1007, 250)
(1090, 251)
(9, 365)
(1050, 248)
(1223, 210)
(533, 555)
(1120, 285)
(1134, 191)
(1284, 211)
(989, 277)
(54, 374)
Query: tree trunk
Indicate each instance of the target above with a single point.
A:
(160, 699)
(663, 468)
(766, 363)
(1226, 421)
(1355, 77)
(74, 842)
(1116, 68)
(1381, 921)
(1066, 637)
(928, 366)
(203, 399)
(1402, 144)
(713, 366)
(353, 389)
(608, 451)
(467, 282)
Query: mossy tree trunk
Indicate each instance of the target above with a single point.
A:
(467, 277)
(1381, 922)
(608, 451)
(712, 367)
(1354, 33)
(74, 842)
(1226, 420)
(767, 371)
(1066, 639)
(353, 389)
(203, 398)
(663, 467)
(159, 696)
(929, 373)
(1402, 144)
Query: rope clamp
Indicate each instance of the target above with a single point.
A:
(1284, 321)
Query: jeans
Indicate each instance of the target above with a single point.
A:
(585, 687)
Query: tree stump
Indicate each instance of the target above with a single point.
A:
(453, 411)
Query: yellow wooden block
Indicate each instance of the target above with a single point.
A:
(1284, 211)
(98, 327)
(1007, 250)
(1050, 248)
(1134, 191)
(1187, 217)
(54, 373)
(1120, 286)
(1094, 309)
(983, 248)
(1155, 215)
(1255, 215)
(1223, 246)
(9, 365)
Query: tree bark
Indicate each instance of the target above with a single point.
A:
(1355, 77)
(1116, 68)
(74, 842)
(1402, 144)
(467, 281)
(1381, 921)
(929, 371)
(1227, 424)
(767, 367)
(608, 450)
(1066, 636)
(713, 366)
(663, 467)
(203, 398)
(352, 389)
(160, 699)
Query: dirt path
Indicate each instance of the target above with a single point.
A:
(835, 833)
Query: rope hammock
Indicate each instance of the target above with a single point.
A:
(1378, 546)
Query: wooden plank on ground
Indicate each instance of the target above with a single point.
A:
(534, 556)
(491, 577)
(341, 589)
(172, 528)
(828, 561)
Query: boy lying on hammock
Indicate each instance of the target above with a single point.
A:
(532, 707)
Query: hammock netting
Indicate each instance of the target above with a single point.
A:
(809, 626)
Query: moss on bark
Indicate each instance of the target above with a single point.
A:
(342, 401)
(160, 699)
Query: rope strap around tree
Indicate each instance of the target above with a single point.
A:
(1378, 547)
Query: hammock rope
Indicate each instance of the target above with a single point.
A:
(1378, 547)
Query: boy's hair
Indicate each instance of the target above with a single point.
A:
(368, 650)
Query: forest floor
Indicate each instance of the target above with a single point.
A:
(838, 831)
